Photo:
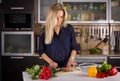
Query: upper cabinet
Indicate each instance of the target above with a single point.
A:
(13, 6)
(79, 11)
(115, 11)
(86, 10)
(43, 6)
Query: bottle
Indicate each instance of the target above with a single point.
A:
(102, 43)
(91, 6)
(69, 17)
(78, 17)
(92, 16)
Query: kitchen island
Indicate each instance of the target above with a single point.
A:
(73, 76)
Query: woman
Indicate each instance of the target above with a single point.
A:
(57, 45)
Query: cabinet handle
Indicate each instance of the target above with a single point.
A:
(114, 57)
(16, 57)
(16, 8)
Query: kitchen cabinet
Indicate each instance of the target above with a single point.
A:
(114, 61)
(1, 15)
(115, 12)
(43, 6)
(12, 67)
(84, 11)
(18, 6)
(38, 60)
(79, 11)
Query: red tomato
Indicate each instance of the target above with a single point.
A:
(66, 68)
(100, 75)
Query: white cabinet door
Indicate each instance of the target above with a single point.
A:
(43, 6)
(115, 11)
(86, 11)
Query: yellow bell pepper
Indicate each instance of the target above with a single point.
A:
(92, 71)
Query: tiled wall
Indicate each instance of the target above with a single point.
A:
(87, 35)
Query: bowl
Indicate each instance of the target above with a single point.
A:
(84, 66)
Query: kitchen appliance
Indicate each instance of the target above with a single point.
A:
(17, 43)
(18, 21)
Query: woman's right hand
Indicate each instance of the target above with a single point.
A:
(53, 64)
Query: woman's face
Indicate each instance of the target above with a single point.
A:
(60, 17)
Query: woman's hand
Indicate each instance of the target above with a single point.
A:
(53, 64)
(71, 64)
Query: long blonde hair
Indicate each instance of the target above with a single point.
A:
(51, 21)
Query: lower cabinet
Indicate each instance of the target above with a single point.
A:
(114, 61)
(39, 61)
(13, 66)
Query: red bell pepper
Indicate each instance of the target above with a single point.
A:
(113, 71)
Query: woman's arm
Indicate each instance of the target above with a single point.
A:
(72, 56)
(71, 61)
(46, 58)
(42, 51)
(74, 47)
(49, 60)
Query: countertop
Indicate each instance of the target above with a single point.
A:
(73, 76)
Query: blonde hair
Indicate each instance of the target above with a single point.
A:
(51, 21)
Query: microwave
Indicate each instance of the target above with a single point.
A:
(17, 21)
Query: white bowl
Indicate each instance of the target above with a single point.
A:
(84, 66)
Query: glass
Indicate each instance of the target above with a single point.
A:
(86, 11)
(17, 43)
(43, 6)
(115, 10)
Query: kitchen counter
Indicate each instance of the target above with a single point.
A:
(88, 55)
(73, 76)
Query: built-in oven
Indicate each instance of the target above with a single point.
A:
(17, 43)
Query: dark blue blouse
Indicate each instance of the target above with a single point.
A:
(60, 48)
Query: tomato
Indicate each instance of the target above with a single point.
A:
(100, 75)
(66, 69)
(92, 71)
